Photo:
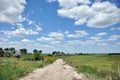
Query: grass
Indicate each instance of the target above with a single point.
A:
(12, 68)
(101, 67)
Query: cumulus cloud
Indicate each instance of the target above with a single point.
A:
(2, 39)
(72, 3)
(98, 15)
(102, 44)
(11, 10)
(47, 46)
(117, 44)
(85, 43)
(114, 37)
(100, 38)
(80, 33)
(101, 34)
(14, 43)
(55, 42)
(56, 35)
(38, 28)
(50, 1)
(26, 41)
(74, 42)
(30, 22)
(115, 28)
(20, 32)
(66, 32)
(97, 39)
(78, 42)
(46, 39)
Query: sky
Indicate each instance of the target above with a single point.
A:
(71, 26)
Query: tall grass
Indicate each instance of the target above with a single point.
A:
(11, 68)
(101, 67)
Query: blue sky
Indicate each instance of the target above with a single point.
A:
(89, 26)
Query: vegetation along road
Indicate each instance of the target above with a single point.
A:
(58, 70)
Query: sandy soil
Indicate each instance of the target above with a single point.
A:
(58, 70)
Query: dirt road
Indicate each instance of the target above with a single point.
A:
(55, 71)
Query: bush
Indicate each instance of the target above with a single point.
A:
(28, 57)
(37, 56)
(49, 59)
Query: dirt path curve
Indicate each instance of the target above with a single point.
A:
(55, 71)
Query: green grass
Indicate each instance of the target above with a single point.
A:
(101, 67)
(11, 68)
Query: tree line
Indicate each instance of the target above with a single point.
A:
(12, 50)
(8, 52)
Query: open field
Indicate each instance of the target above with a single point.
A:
(101, 67)
(98, 67)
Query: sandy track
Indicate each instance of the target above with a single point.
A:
(55, 71)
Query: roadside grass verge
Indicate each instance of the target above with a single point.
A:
(100, 67)
(12, 68)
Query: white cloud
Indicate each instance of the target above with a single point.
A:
(78, 42)
(11, 10)
(98, 15)
(2, 39)
(97, 39)
(50, 1)
(114, 28)
(102, 44)
(85, 43)
(47, 46)
(46, 39)
(30, 22)
(55, 42)
(66, 32)
(107, 14)
(74, 42)
(72, 3)
(114, 37)
(80, 33)
(72, 36)
(20, 32)
(101, 34)
(14, 43)
(56, 35)
(38, 28)
(26, 41)
(117, 44)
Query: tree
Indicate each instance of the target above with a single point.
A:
(35, 50)
(12, 50)
(6, 49)
(62, 53)
(54, 52)
(23, 51)
(7, 52)
(40, 51)
(37, 54)
(1, 52)
(58, 53)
